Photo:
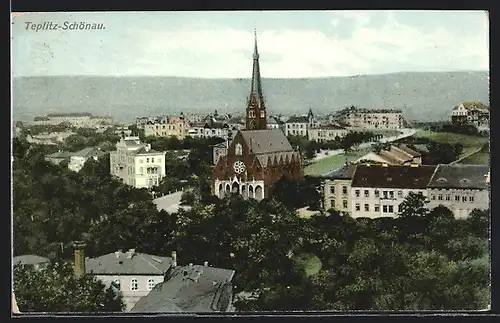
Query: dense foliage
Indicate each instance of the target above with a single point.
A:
(56, 289)
(421, 260)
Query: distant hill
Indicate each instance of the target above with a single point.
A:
(421, 96)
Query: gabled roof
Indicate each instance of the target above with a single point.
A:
(266, 141)
(189, 289)
(29, 260)
(60, 154)
(85, 152)
(346, 172)
(392, 176)
(298, 119)
(119, 263)
(460, 176)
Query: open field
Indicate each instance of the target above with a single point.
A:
(330, 163)
(470, 143)
(481, 157)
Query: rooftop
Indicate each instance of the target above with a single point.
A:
(298, 119)
(346, 172)
(129, 262)
(460, 176)
(189, 289)
(266, 141)
(392, 176)
(29, 260)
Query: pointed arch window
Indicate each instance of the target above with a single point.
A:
(262, 114)
(238, 150)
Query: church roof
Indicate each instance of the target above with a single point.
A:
(266, 141)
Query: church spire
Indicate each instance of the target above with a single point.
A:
(256, 109)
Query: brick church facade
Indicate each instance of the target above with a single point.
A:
(257, 157)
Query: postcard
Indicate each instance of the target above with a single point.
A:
(258, 161)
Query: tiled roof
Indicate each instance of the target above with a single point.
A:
(266, 141)
(29, 260)
(298, 119)
(139, 263)
(189, 289)
(60, 154)
(346, 172)
(471, 105)
(85, 152)
(460, 176)
(392, 176)
(410, 151)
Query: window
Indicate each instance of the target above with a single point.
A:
(447, 197)
(344, 190)
(262, 114)
(400, 193)
(384, 194)
(134, 285)
(400, 208)
(332, 203)
(367, 207)
(344, 204)
(251, 114)
(332, 189)
(151, 284)
(391, 194)
(147, 160)
(367, 193)
(358, 207)
(440, 197)
(152, 159)
(433, 197)
(391, 209)
(377, 208)
(457, 198)
(464, 198)
(471, 198)
(238, 149)
(377, 193)
(384, 208)
(356, 193)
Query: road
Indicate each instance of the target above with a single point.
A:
(404, 133)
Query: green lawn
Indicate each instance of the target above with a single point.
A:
(480, 158)
(470, 143)
(330, 163)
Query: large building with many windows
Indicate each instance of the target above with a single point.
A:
(377, 190)
(374, 119)
(167, 126)
(136, 164)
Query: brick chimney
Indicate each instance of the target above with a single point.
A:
(79, 258)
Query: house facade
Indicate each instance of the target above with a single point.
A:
(461, 188)
(374, 119)
(79, 158)
(324, 133)
(337, 189)
(472, 113)
(167, 126)
(136, 164)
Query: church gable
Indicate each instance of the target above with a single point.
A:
(238, 146)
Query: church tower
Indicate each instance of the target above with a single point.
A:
(256, 114)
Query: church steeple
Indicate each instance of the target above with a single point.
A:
(256, 110)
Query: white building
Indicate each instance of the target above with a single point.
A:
(378, 190)
(300, 125)
(461, 188)
(79, 158)
(472, 113)
(132, 274)
(137, 164)
(324, 133)
(375, 119)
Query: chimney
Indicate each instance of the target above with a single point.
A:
(205, 264)
(174, 258)
(130, 253)
(117, 254)
(79, 258)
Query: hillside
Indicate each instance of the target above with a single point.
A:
(421, 96)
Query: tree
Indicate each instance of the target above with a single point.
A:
(57, 289)
(413, 206)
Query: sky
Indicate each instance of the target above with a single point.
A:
(292, 44)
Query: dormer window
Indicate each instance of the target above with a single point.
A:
(441, 180)
(464, 181)
(238, 150)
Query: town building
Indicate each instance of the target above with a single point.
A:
(79, 158)
(371, 119)
(337, 189)
(402, 155)
(324, 133)
(378, 190)
(300, 125)
(461, 188)
(49, 138)
(193, 288)
(275, 123)
(211, 130)
(59, 157)
(257, 157)
(131, 274)
(34, 261)
(140, 122)
(136, 164)
(77, 120)
(167, 126)
(472, 113)
(123, 131)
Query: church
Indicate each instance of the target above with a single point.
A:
(257, 157)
